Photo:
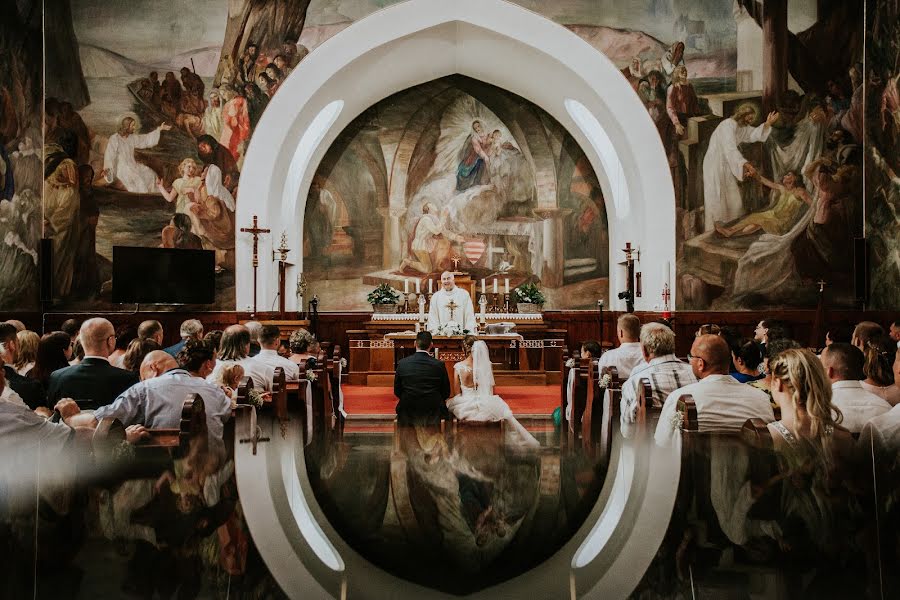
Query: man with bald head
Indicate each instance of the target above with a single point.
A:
(722, 403)
(93, 382)
(451, 304)
(156, 401)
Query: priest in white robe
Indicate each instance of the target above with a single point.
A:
(119, 164)
(451, 304)
(724, 165)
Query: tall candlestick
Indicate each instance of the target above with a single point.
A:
(406, 285)
(506, 285)
(429, 286)
(495, 285)
(483, 289)
(418, 281)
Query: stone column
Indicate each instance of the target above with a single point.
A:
(553, 259)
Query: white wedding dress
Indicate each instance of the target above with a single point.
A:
(479, 403)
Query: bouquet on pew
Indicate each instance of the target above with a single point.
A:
(255, 398)
(311, 375)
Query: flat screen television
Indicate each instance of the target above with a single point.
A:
(163, 276)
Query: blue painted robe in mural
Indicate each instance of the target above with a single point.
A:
(472, 164)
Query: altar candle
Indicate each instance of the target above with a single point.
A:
(506, 285)
(418, 281)
(495, 285)
(406, 285)
(483, 289)
(429, 286)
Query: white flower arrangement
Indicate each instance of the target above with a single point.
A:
(677, 420)
(255, 398)
(605, 380)
(343, 363)
(570, 363)
(450, 328)
(311, 376)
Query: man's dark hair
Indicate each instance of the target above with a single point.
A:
(847, 361)
(7, 332)
(777, 330)
(748, 351)
(777, 346)
(269, 334)
(594, 347)
(124, 335)
(214, 337)
(841, 333)
(423, 340)
(70, 326)
(195, 353)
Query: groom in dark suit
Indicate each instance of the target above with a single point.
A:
(422, 385)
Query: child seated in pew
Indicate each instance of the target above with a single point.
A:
(229, 379)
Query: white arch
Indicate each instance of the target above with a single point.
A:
(491, 40)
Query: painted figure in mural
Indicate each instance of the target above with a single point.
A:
(120, 169)
(247, 63)
(86, 279)
(652, 90)
(852, 118)
(789, 199)
(156, 85)
(236, 121)
(317, 222)
(282, 64)
(441, 312)
(212, 152)
(724, 165)
(212, 116)
(184, 189)
(634, 72)
(473, 159)
(672, 59)
(266, 84)
(681, 105)
(426, 247)
(72, 121)
(212, 217)
(179, 234)
(507, 169)
(256, 102)
(27, 166)
(806, 143)
(170, 96)
(61, 208)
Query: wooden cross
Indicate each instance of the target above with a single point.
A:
(255, 231)
(821, 283)
(452, 306)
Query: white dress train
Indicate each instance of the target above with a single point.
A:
(471, 405)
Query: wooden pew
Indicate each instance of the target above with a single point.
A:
(599, 416)
(336, 373)
(322, 408)
(579, 396)
(243, 391)
(279, 399)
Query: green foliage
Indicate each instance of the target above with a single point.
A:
(383, 294)
(529, 292)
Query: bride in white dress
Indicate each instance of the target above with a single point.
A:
(476, 400)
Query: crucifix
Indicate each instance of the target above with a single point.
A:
(255, 231)
(455, 260)
(452, 306)
(821, 283)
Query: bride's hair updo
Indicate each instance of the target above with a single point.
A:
(468, 342)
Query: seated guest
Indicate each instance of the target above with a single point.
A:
(254, 327)
(880, 352)
(27, 342)
(235, 348)
(137, 350)
(304, 348)
(229, 378)
(746, 358)
(269, 341)
(708, 329)
(54, 352)
(192, 329)
(722, 403)
(214, 337)
(865, 331)
(19, 325)
(31, 391)
(77, 352)
(628, 355)
(156, 401)
(894, 331)
(124, 335)
(71, 327)
(94, 380)
(838, 333)
(662, 369)
(591, 349)
(843, 364)
(151, 330)
(770, 329)
(772, 349)
(884, 431)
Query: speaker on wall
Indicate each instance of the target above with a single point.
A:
(46, 266)
(860, 269)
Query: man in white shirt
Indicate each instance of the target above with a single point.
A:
(894, 331)
(662, 369)
(722, 402)
(843, 364)
(628, 355)
(451, 304)
(269, 340)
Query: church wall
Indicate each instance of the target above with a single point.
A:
(119, 43)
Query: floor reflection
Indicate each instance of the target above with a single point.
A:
(453, 508)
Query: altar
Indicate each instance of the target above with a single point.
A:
(530, 354)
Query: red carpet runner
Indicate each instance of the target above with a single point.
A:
(523, 400)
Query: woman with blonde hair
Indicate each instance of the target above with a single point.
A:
(27, 342)
(304, 348)
(475, 399)
(880, 352)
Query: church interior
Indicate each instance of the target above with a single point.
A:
(424, 299)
